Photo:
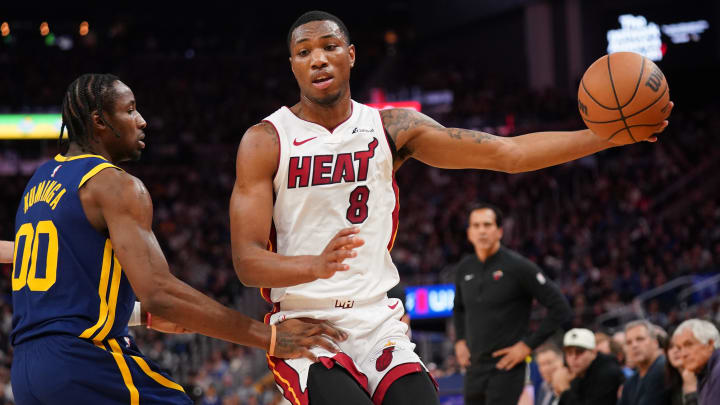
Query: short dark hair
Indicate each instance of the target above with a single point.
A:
(494, 208)
(317, 15)
(548, 346)
(89, 92)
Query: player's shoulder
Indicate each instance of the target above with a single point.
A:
(112, 186)
(259, 149)
(405, 117)
(263, 128)
(259, 135)
(390, 115)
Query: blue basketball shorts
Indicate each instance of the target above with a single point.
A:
(64, 369)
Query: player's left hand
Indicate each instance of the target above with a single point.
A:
(662, 125)
(512, 355)
(295, 338)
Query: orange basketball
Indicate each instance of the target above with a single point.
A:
(623, 97)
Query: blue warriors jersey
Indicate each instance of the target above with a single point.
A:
(66, 278)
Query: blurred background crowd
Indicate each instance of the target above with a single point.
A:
(627, 233)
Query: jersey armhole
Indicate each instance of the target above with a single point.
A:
(388, 138)
(279, 148)
(391, 143)
(95, 170)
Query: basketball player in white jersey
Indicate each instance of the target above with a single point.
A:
(318, 179)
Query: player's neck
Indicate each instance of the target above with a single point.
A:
(76, 149)
(329, 116)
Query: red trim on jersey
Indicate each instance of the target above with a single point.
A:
(272, 239)
(276, 306)
(287, 378)
(279, 148)
(346, 362)
(352, 108)
(396, 211)
(392, 375)
(264, 291)
(434, 381)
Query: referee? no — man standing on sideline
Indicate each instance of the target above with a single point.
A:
(494, 291)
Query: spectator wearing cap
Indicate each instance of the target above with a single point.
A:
(647, 385)
(699, 342)
(591, 378)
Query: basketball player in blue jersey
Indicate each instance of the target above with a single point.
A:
(309, 172)
(84, 250)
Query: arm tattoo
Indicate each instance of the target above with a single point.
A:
(399, 120)
(285, 345)
(459, 134)
(269, 131)
(286, 342)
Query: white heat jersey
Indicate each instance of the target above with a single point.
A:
(327, 181)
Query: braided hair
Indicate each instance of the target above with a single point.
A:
(88, 93)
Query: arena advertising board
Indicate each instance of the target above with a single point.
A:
(30, 126)
(411, 104)
(640, 35)
(429, 301)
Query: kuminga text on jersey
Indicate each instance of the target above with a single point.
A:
(45, 191)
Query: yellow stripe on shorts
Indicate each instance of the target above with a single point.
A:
(159, 378)
(125, 371)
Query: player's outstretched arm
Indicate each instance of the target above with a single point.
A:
(6, 251)
(419, 136)
(154, 322)
(123, 203)
(251, 210)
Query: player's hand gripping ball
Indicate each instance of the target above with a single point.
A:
(624, 98)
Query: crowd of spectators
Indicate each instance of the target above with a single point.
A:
(607, 228)
(651, 366)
